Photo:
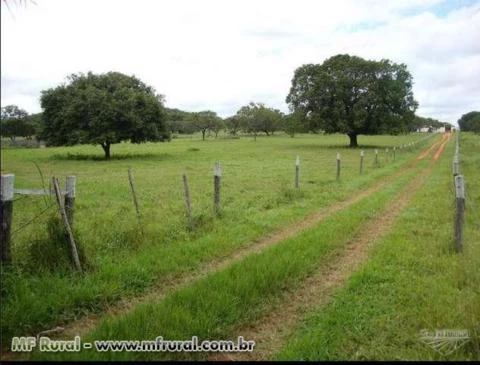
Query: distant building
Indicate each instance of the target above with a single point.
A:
(424, 129)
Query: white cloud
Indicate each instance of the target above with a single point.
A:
(219, 55)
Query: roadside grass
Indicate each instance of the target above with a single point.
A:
(126, 256)
(214, 306)
(414, 281)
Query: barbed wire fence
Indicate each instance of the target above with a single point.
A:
(7, 201)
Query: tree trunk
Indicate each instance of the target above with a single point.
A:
(203, 134)
(353, 140)
(106, 149)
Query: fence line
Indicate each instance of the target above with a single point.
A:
(6, 210)
(8, 192)
(459, 185)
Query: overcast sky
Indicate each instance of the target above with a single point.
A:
(220, 55)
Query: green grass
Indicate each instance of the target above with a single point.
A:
(125, 259)
(414, 281)
(214, 306)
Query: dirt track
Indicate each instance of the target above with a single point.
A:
(87, 323)
(84, 325)
(272, 331)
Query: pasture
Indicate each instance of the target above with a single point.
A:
(230, 271)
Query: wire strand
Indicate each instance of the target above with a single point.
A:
(32, 220)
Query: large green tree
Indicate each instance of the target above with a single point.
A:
(470, 122)
(350, 95)
(103, 109)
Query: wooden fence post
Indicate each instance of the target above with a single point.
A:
(217, 175)
(338, 165)
(394, 153)
(188, 206)
(73, 246)
(297, 172)
(386, 154)
(376, 157)
(132, 186)
(456, 167)
(361, 162)
(459, 211)
(70, 198)
(6, 211)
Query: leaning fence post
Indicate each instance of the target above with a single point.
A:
(73, 246)
(338, 165)
(132, 186)
(6, 211)
(217, 174)
(361, 162)
(70, 198)
(188, 205)
(459, 212)
(297, 172)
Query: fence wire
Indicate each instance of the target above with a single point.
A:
(33, 219)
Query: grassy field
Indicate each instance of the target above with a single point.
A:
(414, 281)
(126, 257)
(242, 293)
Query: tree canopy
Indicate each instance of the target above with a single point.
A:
(207, 120)
(15, 122)
(256, 118)
(103, 109)
(470, 122)
(350, 95)
(421, 122)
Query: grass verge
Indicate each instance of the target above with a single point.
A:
(413, 282)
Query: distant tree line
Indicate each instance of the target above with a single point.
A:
(345, 94)
(421, 122)
(252, 119)
(16, 122)
(470, 122)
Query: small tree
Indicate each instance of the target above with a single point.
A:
(256, 118)
(293, 123)
(205, 121)
(233, 124)
(103, 109)
(217, 125)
